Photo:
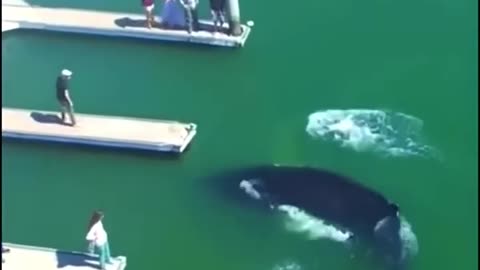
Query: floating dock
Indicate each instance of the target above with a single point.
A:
(24, 16)
(95, 130)
(23, 257)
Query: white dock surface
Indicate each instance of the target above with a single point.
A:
(109, 131)
(23, 257)
(16, 16)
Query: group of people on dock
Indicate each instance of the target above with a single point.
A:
(183, 14)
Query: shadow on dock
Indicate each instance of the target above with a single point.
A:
(72, 260)
(46, 118)
(128, 22)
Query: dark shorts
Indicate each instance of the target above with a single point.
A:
(65, 105)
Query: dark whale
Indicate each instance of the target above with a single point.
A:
(336, 199)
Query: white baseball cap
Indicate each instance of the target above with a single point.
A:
(66, 72)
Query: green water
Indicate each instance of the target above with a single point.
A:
(251, 106)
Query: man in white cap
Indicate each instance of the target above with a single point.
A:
(63, 96)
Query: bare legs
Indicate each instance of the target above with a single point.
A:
(149, 15)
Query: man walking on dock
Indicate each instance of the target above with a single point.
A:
(63, 95)
(191, 14)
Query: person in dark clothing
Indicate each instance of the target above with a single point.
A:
(191, 14)
(217, 8)
(63, 95)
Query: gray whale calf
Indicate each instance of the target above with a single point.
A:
(358, 212)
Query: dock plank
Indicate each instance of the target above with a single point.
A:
(155, 134)
(23, 257)
(109, 23)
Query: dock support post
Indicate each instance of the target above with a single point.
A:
(233, 10)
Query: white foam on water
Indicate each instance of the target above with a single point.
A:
(300, 221)
(287, 265)
(385, 132)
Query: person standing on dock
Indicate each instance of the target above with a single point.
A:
(97, 236)
(217, 8)
(191, 14)
(172, 15)
(148, 6)
(63, 95)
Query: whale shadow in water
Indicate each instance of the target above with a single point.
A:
(336, 199)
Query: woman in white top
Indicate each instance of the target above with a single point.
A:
(97, 236)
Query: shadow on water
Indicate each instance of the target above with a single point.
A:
(74, 260)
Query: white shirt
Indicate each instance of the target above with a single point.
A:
(97, 234)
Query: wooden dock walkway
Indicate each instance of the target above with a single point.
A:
(108, 24)
(107, 131)
(23, 257)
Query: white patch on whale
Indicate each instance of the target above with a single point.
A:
(249, 187)
(385, 132)
(409, 239)
(300, 221)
